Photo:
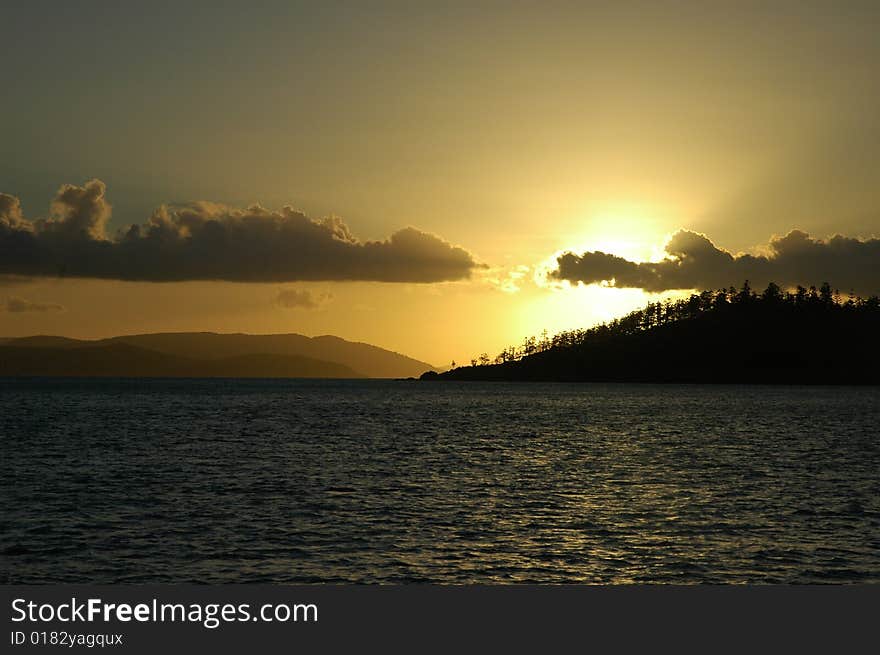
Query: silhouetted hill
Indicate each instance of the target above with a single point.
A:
(125, 360)
(722, 336)
(43, 341)
(358, 359)
(276, 366)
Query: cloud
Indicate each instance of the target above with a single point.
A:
(10, 213)
(694, 262)
(209, 241)
(17, 305)
(508, 280)
(301, 299)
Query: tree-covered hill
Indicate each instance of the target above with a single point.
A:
(810, 336)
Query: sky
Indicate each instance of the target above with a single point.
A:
(439, 179)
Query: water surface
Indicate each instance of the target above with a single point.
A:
(290, 481)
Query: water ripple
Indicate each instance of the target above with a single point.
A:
(295, 481)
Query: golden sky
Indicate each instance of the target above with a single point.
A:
(435, 161)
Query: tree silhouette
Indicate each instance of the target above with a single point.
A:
(774, 333)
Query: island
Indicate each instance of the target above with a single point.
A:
(797, 336)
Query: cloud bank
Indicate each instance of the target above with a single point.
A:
(17, 305)
(694, 262)
(301, 299)
(209, 241)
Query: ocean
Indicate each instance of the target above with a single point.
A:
(330, 481)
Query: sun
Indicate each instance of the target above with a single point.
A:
(632, 231)
(630, 249)
(635, 232)
(629, 231)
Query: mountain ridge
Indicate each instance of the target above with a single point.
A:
(341, 358)
(125, 360)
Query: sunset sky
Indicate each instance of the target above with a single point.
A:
(434, 161)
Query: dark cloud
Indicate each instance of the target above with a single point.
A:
(301, 299)
(694, 262)
(18, 305)
(10, 213)
(208, 241)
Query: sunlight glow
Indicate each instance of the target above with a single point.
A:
(567, 307)
(631, 231)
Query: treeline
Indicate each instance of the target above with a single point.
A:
(771, 304)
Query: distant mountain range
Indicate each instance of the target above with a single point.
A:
(204, 354)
